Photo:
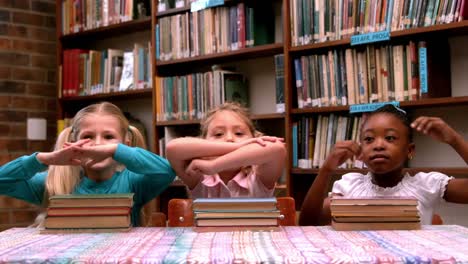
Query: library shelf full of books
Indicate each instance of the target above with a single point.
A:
(296, 62)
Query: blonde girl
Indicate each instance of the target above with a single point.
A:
(230, 159)
(99, 153)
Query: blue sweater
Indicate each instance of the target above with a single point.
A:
(146, 174)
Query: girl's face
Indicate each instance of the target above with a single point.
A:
(385, 143)
(101, 130)
(229, 127)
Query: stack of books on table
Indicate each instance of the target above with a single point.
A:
(375, 213)
(93, 212)
(235, 212)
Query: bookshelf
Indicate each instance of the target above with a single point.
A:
(257, 64)
(83, 32)
(298, 180)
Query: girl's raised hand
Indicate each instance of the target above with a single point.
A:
(342, 151)
(435, 128)
(68, 155)
(199, 167)
(261, 140)
(92, 154)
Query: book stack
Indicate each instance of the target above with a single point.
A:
(375, 213)
(94, 212)
(236, 212)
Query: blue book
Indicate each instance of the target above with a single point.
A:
(235, 204)
(294, 145)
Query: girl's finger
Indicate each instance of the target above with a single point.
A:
(261, 142)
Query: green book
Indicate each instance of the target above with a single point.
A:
(92, 200)
(235, 88)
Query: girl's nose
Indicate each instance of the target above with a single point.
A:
(379, 143)
(229, 137)
(97, 141)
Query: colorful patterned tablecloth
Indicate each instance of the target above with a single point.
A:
(433, 244)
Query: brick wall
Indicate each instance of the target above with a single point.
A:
(27, 88)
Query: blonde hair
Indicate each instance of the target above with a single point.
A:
(233, 107)
(242, 113)
(63, 179)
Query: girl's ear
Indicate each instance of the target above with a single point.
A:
(411, 150)
(127, 142)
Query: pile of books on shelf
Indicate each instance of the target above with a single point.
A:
(90, 212)
(236, 212)
(375, 213)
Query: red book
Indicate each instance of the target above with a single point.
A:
(241, 25)
(87, 211)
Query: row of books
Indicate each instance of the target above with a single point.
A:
(80, 15)
(366, 75)
(312, 139)
(235, 212)
(374, 213)
(93, 212)
(190, 96)
(212, 30)
(87, 72)
(323, 20)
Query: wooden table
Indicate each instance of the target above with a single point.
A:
(447, 244)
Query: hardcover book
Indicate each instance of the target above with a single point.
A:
(92, 200)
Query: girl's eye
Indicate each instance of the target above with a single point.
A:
(109, 137)
(368, 139)
(390, 138)
(87, 137)
(239, 133)
(219, 134)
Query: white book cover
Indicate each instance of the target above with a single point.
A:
(126, 82)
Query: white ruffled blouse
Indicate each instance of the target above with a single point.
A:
(428, 188)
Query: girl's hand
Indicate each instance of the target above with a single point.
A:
(260, 140)
(342, 151)
(200, 167)
(435, 128)
(92, 154)
(68, 155)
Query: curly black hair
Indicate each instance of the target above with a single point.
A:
(395, 111)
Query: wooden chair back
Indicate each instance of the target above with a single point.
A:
(180, 212)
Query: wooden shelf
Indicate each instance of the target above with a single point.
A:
(245, 53)
(456, 172)
(173, 11)
(177, 122)
(109, 31)
(324, 109)
(267, 116)
(457, 28)
(429, 102)
(133, 94)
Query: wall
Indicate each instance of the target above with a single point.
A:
(27, 88)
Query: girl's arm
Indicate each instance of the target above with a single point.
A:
(268, 158)
(181, 151)
(441, 131)
(456, 191)
(23, 178)
(316, 207)
(148, 173)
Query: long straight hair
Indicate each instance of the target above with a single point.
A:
(63, 179)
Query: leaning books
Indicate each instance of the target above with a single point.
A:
(374, 213)
(236, 212)
(91, 212)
